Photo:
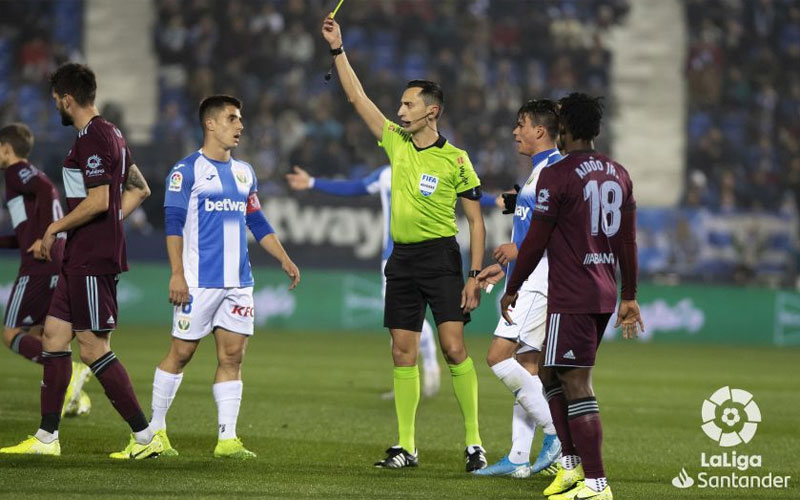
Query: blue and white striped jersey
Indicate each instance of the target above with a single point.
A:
(216, 196)
(526, 202)
(380, 182)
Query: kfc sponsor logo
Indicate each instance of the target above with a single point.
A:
(244, 311)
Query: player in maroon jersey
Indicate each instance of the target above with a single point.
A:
(585, 217)
(33, 204)
(103, 186)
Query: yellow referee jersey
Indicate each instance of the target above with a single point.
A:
(425, 185)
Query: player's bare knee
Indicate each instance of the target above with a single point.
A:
(454, 354)
(92, 348)
(404, 355)
(181, 357)
(91, 354)
(230, 357)
(576, 384)
(494, 357)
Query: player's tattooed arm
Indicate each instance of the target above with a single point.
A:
(136, 180)
(135, 191)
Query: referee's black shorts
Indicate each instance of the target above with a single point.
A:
(420, 274)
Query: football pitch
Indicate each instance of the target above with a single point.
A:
(312, 412)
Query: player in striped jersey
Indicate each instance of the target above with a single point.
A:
(211, 199)
(516, 347)
(33, 204)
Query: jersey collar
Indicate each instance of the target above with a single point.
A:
(538, 157)
(440, 142)
(214, 162)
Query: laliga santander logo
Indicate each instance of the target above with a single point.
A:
(730, 417)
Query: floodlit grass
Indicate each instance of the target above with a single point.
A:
(312, 412)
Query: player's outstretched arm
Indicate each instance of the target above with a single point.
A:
(95, 203)
(471, 294)
(273, 246)
(134, 192)
(370, 113)
(300, 180)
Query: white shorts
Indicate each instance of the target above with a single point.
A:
(530, 317)
(209, 308)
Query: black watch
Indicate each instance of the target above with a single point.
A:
(474, 273)
(336, 52)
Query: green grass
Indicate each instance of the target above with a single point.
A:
(312, 412)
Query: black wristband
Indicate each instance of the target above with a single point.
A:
(336, 52)
(474, 273)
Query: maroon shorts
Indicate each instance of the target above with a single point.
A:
(29, 300)
(573, 339)
(88, 302)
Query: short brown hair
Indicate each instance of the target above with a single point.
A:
(19, 136)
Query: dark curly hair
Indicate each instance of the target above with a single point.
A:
(581, 115)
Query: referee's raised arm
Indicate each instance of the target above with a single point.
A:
(370, 113)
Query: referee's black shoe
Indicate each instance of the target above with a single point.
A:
(397, 458)
(476, 458)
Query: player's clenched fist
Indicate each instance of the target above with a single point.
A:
(331, 32)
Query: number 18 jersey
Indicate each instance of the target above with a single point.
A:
(584, 195)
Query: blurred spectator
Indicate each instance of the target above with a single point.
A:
(31, 47)
(743, 70)
(489, 58)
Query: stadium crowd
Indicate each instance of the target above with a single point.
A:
(35, 37)
(743, 73)
(489, 57)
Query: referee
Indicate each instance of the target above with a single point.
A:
(428, 174)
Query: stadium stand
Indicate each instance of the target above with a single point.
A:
(743, 72)
(486, 58)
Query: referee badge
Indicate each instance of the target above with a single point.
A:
(427, 184)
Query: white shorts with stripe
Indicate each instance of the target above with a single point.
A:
(529, 316)
(209, 308)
